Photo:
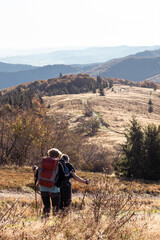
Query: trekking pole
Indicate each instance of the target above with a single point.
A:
(36, 199)
(84, 195)
(34, 168)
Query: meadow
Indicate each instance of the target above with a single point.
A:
(119, 105)
(109, 208)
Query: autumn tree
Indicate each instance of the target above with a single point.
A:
(7, 140)
(26, 136)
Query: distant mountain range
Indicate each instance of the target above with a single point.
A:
(83, 56)
(8, 67)
(131, 68)
(8, 79)
(138, 67)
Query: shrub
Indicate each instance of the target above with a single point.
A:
(88, 112)
(150, 109)
(88, 127)
(96, 158)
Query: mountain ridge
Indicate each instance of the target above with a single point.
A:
(131, 68)
(80, 56)
(137, 67)
(9, 67)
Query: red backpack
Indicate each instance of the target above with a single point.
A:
(48, 172)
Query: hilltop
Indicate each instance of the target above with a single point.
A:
(71, 84)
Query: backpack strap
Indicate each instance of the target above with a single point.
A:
(63, 165)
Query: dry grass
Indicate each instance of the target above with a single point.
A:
(76, 226)
(116, 108)
(22, 179)
(15, 178)
(109, 208)
(107, 213)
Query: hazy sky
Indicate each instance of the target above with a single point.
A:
(26, 24)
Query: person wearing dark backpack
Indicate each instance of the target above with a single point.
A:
(50, 174)
(66, 186)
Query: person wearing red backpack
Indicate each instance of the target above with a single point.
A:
(50, 174)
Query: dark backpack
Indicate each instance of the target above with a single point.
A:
(59, 179)
(48, 172)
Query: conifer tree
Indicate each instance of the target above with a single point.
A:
(101, 90)
(60, 75)
(151, 164)
(150, 108)
(93, 89)
(140, 153)
(110, 83)
(99, 80)
(132, 150)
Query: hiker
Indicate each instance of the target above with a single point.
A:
(50, 175)
(66, 186)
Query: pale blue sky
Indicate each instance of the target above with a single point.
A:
(26, 24)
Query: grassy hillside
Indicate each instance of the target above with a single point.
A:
(98, 121)
(109, 208)
(115, 110)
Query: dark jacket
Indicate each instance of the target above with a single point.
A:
(62, 175)
(67, 165)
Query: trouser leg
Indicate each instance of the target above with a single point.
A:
(66, 195)
(55, 201)
(61, 199)
(46, 202)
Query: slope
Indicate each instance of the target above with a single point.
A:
(116, 109)
(9, 79)
(131, 68)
